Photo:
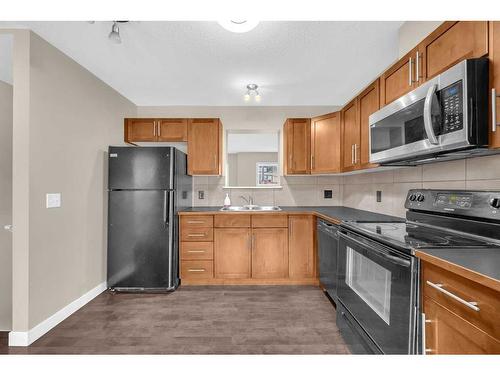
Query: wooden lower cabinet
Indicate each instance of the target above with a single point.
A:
(269, 253)
(232, 253)
(301, 246)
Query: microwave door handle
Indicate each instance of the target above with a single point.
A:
(429, 130)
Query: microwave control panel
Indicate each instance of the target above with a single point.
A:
(452, 106)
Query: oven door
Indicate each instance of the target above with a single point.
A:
(429, 120)
(377, 285)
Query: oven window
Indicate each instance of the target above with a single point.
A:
(370, 281)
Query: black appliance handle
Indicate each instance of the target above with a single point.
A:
(165, 216)
(380, 251)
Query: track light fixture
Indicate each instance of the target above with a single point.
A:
(114, 35)
(252, 90)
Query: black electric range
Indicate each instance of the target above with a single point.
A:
(378, 274)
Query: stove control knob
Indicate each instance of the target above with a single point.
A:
(412, 197)
(420, 198)
(495, 203)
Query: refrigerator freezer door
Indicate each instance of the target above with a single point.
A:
(138, 240)
(140, 168)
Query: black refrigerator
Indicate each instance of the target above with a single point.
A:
(147, 186)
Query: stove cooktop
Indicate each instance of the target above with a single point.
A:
(413, 236)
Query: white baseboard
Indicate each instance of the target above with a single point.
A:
(20, 338)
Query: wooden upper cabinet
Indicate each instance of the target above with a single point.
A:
(326, 139)
(204, 147)
(351, 136)
(140, 130)
(270, 253)
(301, 247)
(451, 43)
(297, 150)
(399, 78)
(368, 103)
(232, 253)
(494, 53)
(172, 130)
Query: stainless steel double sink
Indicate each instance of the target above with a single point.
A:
(250, 208)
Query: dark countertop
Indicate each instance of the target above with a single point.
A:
(482, 261)
(333, 213)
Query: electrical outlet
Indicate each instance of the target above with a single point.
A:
(53, 200)
(327, 194)
(379, 196)
(201, 194)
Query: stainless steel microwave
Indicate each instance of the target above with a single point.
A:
(445, 118)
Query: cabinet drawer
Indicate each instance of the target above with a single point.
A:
(197, 250)
(197, 234)
(488, 300)
(197, 221)
(232, 220)
(269, 221)
(197, 269)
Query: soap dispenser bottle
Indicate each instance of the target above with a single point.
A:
(227, 201)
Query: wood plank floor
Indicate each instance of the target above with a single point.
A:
(199, 320)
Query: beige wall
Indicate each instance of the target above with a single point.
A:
(242, 167)
(67, 118)
(5, 206)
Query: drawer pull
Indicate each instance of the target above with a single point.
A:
(196, 251)
(196, 270)
(197, 235)
(439, 287)
(196, 222)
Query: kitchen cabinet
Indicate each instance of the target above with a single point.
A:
(232, 253)
(155, 130)
(172, 130)
(494, 53)
(297, 146)
(301, 240)
(368, 103)
(140, 130)
(451, 43)
(204, 147)
(351, 136)
(461, 315)
(269, 253)
(326, 139)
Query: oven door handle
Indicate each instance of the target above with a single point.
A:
(429, 130)
(380, 252)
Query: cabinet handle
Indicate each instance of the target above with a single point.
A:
(159, 128)
(417, 67)
(410, 72)
(196, 222)
(196, 270)
(196, 251)
(356, 153)
(439, 287)
(154, 128)
(494, 97)
(312, 162)
(352, 154)
(197, 235)
(424, 322)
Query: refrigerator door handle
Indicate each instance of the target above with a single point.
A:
(165, 207)
(170, 235)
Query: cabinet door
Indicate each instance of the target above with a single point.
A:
(204, 146)
(451, 43)
(325, 144)
(269, 253)
(301, 247)
(140, 130)
(232, 253)
(495, 82)
(298, 146)
(398, 79)
(172, 130)
(368, 103)
(351, 136)
(447, 333)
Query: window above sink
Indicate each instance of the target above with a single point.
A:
(252, 159)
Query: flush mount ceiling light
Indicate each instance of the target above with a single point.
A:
(239, 26)
(252, 90)
(114, 35)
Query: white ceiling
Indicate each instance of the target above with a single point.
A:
(200, 63)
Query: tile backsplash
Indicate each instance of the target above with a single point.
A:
(359, 190)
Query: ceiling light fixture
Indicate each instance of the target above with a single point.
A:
(239, 26)
(114, 35)
(252, 90)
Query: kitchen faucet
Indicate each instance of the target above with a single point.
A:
(249, 200)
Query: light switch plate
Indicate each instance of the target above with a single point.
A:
(201, 194)
(53, 200)
(379, 196)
